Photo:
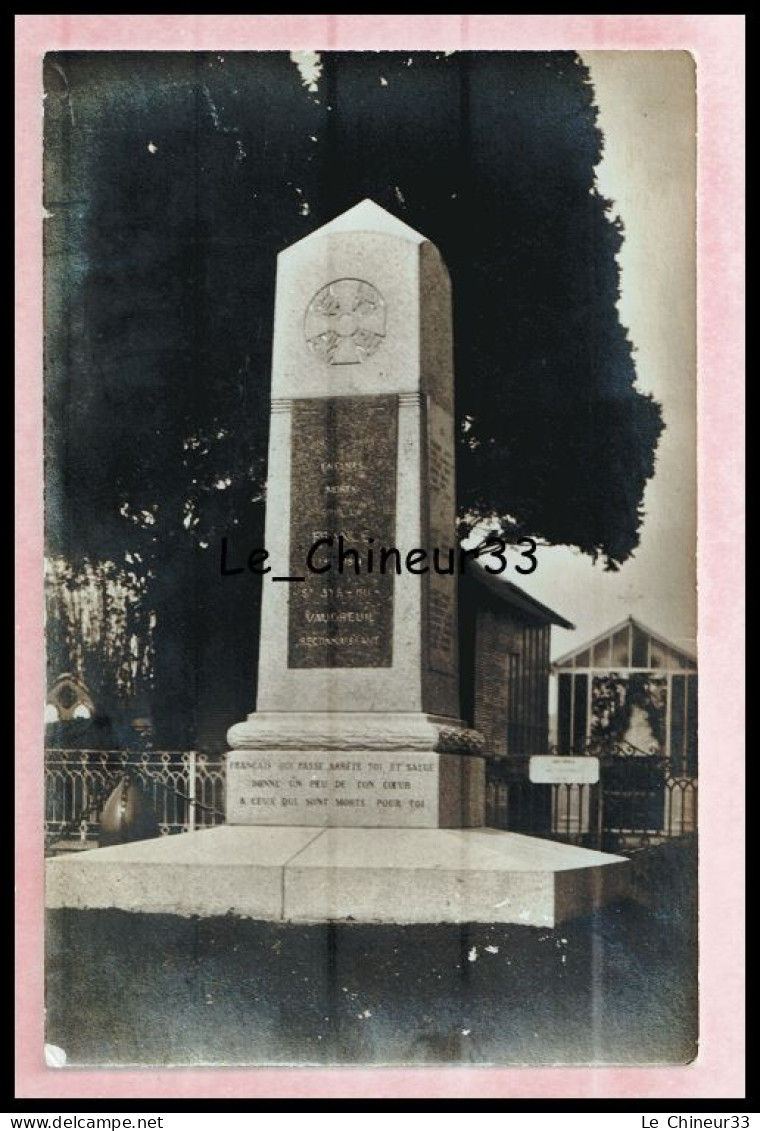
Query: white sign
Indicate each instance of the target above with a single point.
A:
(556, 769)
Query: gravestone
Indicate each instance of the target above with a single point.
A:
(357, 715)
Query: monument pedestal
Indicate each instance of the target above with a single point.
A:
(361, 769)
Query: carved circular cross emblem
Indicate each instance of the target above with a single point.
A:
(345, 322)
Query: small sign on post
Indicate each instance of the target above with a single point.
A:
(564, 769)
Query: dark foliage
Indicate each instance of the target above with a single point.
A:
(174, 179)
(161, 276)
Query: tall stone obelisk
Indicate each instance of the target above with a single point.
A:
(357, 712)
(357, 715)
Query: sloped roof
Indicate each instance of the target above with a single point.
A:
(654, 636)
(510, 594)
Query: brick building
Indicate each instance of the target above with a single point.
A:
(504, 641)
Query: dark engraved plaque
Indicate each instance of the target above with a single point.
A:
(343, 483)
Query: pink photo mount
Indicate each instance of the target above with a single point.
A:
(717, 44)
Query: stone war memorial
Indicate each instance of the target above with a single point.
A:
(354, 790)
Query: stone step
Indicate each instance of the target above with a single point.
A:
(344, 874)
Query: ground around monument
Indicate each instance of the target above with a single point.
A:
(616, 987)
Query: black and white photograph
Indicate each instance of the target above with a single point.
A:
(370, 433)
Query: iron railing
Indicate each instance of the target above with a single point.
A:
(186, 790)
(640, 799)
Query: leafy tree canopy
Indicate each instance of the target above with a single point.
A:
(174, 179)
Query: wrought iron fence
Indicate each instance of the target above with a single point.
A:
(185, 788)
(639, 800)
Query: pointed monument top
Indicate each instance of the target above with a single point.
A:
(368, 217)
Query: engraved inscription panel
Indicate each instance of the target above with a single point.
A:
(441, 588)
(333, 788)
(343, 483)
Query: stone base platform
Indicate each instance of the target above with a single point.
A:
(363, 875)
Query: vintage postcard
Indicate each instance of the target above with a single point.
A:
(375, 731)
